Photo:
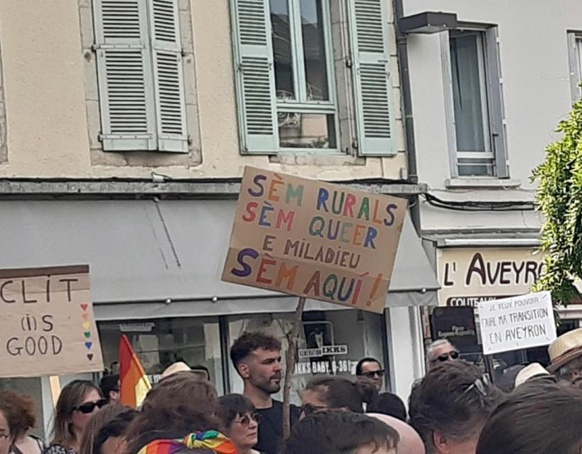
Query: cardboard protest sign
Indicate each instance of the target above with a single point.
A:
(314, 239)
(47, 325)
(516, 323)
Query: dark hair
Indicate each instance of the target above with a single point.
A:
(18, 411)
(339, 392)
(250, 342)
(389, 404)
(233, 405)
(363, 361)
(109, 383)
(537, 418)
(178, 405)
(101, 418)
(116, 427)
(333, 432)
(70, 398)
(455, 398)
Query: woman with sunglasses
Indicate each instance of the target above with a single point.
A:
(77, 404)
(450, 406)
(241, 422)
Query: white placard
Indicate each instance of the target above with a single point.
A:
(515, 323)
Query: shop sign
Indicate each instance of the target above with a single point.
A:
(470, 276)
(516, 323)
(322, 351)
(457, 324)
(329, 367)
(136, 327)
(47, 325)
(314, 239)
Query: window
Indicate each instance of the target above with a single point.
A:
(140, 75)
(575, 54)
(478, 138)
(289, 65)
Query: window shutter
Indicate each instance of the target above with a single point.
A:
(168, 76)
(497, 113)
(371, 65)
(255, 79)
(124, 75)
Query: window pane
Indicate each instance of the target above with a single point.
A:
(469, 96)
(300, 130)
(282, 49)
(313, 32)
(475, 167)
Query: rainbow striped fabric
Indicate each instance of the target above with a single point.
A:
(211, 439)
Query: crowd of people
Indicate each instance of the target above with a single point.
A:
(454, 409)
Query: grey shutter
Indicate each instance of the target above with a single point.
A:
(124, 75)
(496, 114)
(368, 33)
(255, 78)
(168, 76)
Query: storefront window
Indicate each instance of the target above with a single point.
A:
(162, 342)
(331, 343)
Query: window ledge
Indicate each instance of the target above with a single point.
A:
(491, 183)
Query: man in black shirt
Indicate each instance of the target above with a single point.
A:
(257, 359)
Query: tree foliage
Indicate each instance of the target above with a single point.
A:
(559, 198)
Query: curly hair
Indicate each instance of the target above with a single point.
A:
(18, 411)
(250, 342)
(453, 399)
(178, 405)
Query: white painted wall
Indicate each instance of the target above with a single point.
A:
(536, 84)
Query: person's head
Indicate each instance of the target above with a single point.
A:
(16, 418)
(325, 393)
(240, 420)
(441, 351)
(410, 441)
(76, 405)
(106, 414)
(109, 385)
(389, 404)
(333, 432)
(449, 407)
(566, 356)
(110, 439)
(176, 406)
(202, 371)
(257, 359)
(538, 418)
(371, 369)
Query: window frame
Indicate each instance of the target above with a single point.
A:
(301, 105)
(492, 104)
(575, 62)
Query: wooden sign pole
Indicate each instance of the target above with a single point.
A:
(55, 384)
(290, 360)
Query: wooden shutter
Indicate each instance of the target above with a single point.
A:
(369, 38)
(168, 76)
(125, 75)
(496, 110)
(255, 79)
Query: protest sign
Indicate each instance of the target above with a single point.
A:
(314, 239)
(47, 325)
(515, 323)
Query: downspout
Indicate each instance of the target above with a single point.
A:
(402, 52)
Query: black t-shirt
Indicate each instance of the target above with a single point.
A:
(271, 427)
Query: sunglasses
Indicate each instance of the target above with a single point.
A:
(245, 420)
(446, 356)
(309, 409)
(89, 407)
(374, 373)
(482, 385)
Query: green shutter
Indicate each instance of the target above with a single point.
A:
(124, 70)
(255, 80)
(369, 38)
(168, 76)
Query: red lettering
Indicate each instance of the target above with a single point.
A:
(263, 269)
(251, 215)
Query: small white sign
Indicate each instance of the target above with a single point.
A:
(323, 351)
(515, 323)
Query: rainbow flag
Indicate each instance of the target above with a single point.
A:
(211, 440)
(134, 382)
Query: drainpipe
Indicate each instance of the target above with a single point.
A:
(402, 51)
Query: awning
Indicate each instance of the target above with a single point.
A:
(168, 254)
